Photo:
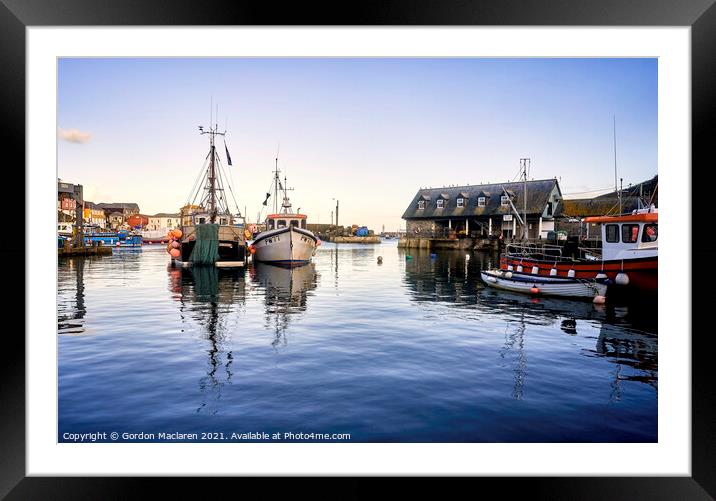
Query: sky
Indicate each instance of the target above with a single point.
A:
(366, 132)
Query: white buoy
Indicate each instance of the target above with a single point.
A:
(570, 273)
(519, 268)
(508, 274)
(553, 272)
(599, 300)
(622, 278)
(600, 276)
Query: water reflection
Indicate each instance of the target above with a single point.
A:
(627, 333)
(286, 292)
(208, 296)
(71, 308)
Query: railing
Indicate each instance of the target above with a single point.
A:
(551, 252)
(446, 233)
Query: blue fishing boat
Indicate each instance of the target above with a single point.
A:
(120, 238)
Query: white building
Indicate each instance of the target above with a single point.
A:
(164, 221)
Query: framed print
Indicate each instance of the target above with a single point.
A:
(418, 242)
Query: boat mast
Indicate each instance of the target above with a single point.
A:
(275, 187)
(211, 178)
(524, 163)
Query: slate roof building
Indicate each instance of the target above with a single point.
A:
(484, 210)
(127, 209)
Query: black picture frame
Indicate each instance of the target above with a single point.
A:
(700, 15)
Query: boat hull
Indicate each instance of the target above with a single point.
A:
(642, 272)
(289, 246)
(232, 247)
(543, 286)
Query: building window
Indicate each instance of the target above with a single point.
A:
(650, 233)
(440, 202)
(481, 201)
(421, 204)
(504, 200)
(549, 208)
(630, 233)
(460, 202)
(612, 233)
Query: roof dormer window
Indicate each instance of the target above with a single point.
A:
(504, 200)
(461, 202)
(440, 203)
(421, 204)
(481, 201)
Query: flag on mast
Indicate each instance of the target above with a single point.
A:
(228, 157)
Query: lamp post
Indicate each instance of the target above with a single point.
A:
(336, 210)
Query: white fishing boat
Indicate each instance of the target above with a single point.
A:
(540, 285)
(286, 240)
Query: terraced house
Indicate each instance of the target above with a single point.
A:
(484, 210)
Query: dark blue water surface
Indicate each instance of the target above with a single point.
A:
(410, 350)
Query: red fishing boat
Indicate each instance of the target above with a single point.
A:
(628, 255)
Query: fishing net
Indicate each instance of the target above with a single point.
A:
(206, 249)
(206, 282)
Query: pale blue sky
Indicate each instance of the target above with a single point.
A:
(369, 132)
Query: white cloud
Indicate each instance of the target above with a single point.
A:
(73, 135)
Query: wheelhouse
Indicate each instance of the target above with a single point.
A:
(628, 235)
(278, 221)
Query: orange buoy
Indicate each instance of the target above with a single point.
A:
(175, 244)
(252, 250)
(534, 290)
(175, 253)
(599, 300)
(177, 233)
(318, 242)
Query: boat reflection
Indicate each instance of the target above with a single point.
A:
(210, 297)
(286, 292)
(71, 307)
(627, 332)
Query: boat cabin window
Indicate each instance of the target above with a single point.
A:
(270, 224)
(650, 234)
(294, 222)
(630, 233)
(281, 223)
(303, 224)
(612, 233)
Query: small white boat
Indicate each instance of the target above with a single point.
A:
(540, 285)
(286, 240)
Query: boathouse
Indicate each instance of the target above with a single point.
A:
(484, 210)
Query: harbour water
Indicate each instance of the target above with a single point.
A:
(411, 350)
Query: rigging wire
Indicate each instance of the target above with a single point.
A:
(202, 173)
